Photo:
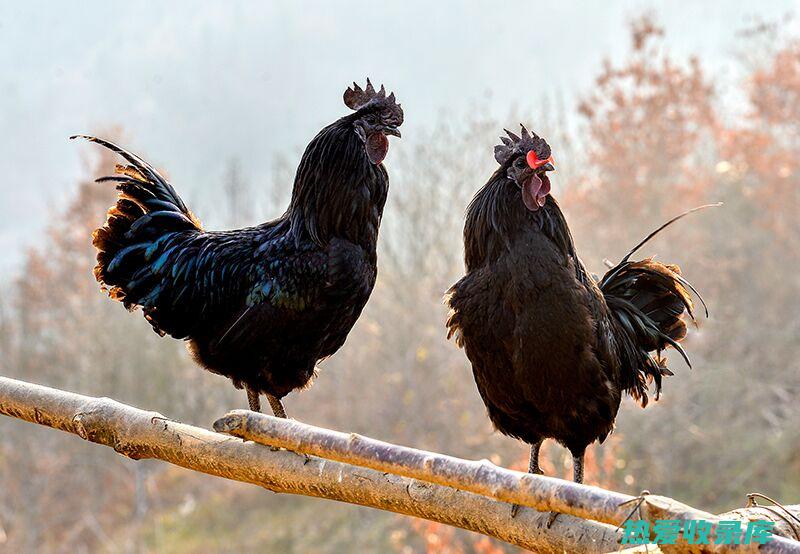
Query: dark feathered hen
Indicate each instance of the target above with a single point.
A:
(552, 351)
(260, 305)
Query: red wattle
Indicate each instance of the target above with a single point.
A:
(530, 193)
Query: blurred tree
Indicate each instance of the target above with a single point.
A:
(656, 146)
(61, 331)
(238, 195)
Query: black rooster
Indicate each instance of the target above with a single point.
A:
(260, 305)
(552, 350)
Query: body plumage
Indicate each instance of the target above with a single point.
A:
(552, 349)
(260, 305)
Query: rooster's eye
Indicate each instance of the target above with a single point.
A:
(519, 162)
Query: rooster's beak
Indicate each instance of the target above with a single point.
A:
(391, 131)
(548, 167)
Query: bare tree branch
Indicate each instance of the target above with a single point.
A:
(479, 477)
(140, 434)
(385, 476)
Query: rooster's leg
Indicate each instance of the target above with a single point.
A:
(277, 406)
(253, 400)
(577, 468)
(533, 467)
(533, 464)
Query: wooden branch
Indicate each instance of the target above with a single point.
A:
(140, 434)
(786, 518)
(388, 477)
(479, 477)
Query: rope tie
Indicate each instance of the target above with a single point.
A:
(752, 503)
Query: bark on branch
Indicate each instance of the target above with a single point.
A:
(484, 478)
(359, 470)
(141, 434)
(479, 477)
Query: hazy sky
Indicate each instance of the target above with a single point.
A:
(197, 83)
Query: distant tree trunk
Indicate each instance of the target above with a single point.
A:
(140, 491)
(237, 195)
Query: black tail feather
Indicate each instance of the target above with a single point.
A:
(146, 172)
(147, 210)
(648, 300)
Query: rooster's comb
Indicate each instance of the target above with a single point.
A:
(514, 144)
(356, 98)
